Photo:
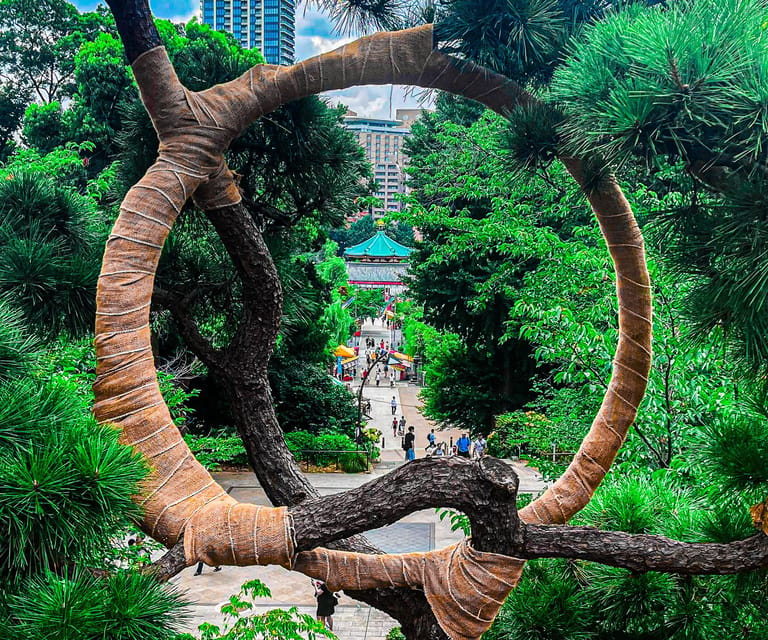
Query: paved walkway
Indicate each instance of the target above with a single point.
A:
(420, 531)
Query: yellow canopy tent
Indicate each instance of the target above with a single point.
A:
(344, 352)
(405, 359)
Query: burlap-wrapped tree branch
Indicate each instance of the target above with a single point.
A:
(181, 501)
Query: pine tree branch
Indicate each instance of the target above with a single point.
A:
(485, 491)
(254, 341)
(178, 306)
(640, 553)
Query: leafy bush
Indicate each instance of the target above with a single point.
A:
(353, 462)
(332, 442)
(371, 439)
(298, 441)
(301, 441)
(522, 432)
(395, 634)
(308, 399)
(216, 451)
(240, 623)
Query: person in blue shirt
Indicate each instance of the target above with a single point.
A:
(463, 445)
(430, 440)
(409, 444)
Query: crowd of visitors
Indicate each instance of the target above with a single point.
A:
(463, 447)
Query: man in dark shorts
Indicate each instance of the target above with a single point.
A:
(463, 445)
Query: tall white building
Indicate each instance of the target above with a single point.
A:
(268, 25)
(382, 141)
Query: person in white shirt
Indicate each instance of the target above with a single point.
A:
(481, 444)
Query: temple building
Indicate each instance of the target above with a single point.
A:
(378, 263)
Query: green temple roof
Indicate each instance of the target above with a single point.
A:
(378, 246)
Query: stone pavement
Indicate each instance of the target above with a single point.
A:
(420, 531)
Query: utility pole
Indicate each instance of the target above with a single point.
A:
(383, 356)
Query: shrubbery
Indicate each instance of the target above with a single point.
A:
(215, 452)
(300, 441)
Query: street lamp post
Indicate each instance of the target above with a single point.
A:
(383, 356)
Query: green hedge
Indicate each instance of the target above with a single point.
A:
(213, 452)
(299, 441)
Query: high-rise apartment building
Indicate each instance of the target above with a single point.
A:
(383, 141)
(268, 25)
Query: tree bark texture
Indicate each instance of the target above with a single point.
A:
(180, 497)
(135, 26)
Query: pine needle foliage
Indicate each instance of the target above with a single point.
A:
(661, 82)
(66, 488)
(531, 139)
(123, 606)
(17, 347)
(360, 16)
(519, 38)
(629, 603)
(92, 485)
(684, 84)
(522, 39)
(50, 239)
(544, 606)
(734, 447)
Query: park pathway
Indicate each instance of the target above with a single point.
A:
(408, 405)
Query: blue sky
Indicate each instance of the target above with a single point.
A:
(314, 34)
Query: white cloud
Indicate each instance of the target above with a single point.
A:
(315, 35)
(185, 17)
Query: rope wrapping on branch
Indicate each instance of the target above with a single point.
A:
(180, 498)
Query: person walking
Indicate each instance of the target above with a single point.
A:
(326, 604)
(200, 566)
(392, 378)
(394, 427)
(378, 378)
(408, 444)
(431, 440)
(481, 444)
(393, 405)
(401, 426)
(463, 445)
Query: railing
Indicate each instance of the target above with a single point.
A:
(356, 461)
(553, 455)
